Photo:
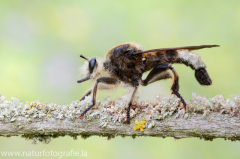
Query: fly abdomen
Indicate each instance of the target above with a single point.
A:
(193, 60)
(202, 77)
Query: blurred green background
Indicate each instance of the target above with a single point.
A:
(40, 44)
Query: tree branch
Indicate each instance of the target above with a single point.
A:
(208, 119)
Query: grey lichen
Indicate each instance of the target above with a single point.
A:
(164, 117)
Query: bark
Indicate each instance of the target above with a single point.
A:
(207, 119)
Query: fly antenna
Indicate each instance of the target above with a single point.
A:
(84, 57)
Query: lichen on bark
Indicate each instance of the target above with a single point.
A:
(204, 118)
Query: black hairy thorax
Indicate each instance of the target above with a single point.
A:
(127, 66)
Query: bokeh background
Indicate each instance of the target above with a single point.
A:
(40, 44)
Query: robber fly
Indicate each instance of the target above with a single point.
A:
(127, 62)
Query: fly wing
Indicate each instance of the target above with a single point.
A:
(178, 48)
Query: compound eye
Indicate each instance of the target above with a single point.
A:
(92, 64)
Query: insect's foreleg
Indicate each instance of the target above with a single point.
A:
(106, 80)
(130, 103)
(87, 94)
(84, 79)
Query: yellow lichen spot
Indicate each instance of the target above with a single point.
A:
(29, 104)
(40, 107)
(48, 115)
(139, 125)
(31, 109)
(35, 104)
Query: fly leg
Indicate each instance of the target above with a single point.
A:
(155, 75)
(106, 80)
(82, 80)
(175, 86)
(159, 73)
(87, 94)
(135, 83)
